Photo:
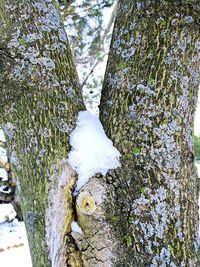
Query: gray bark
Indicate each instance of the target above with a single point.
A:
(40, 99)
(147, 108)
(144, 213)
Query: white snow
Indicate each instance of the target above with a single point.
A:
(7, 235)
(198, 168)
(76, 228)
(3, 175)
(2, 136)
(16, 257)
(14, 249)
(3, 151)
(5, 189)
(197, 116)
(3, 155)
(7, 212)
(92, 151)
(3, 159)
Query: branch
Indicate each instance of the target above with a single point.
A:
(111, 21)
(92, 70)
(107, 30)
(67, 5)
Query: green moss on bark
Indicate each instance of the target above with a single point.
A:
(40, 99)
(147, 108)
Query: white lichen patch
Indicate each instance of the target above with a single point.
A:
(156, 205)
(163, 259)
(25, 47)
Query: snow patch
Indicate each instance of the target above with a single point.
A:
(2, 136)
(3, 152)
(3, 175)
(92, 151)
(7, 212)
(14, 249)
(5, 189)
(76, 228)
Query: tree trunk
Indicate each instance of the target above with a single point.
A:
(144, 213)
(40, 99)
(147, 109)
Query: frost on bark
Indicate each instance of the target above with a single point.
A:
(40, 99)
(147, 109)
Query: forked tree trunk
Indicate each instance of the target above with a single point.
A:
(40, 99)
(147, 108)
(145, 213)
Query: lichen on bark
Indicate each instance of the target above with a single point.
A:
(40, 99)
(147, 109)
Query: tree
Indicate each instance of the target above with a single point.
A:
(153, 69)
(144, 213)
(197, 146)
(40, 100)
(89, 41)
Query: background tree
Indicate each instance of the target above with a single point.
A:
(89, 39)
(143, 213)
(197, 147)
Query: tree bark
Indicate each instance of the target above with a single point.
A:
(147, 108)
(40, 99)
(144, 213)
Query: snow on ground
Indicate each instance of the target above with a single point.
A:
(14, 249)
(18, 257)
(2, 136)
(198, 168)
(92, 151)
(3, 155)
(3, 175)
(7, 213)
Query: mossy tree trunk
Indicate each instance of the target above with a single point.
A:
(144, 213)
(40, 99)
(147, 109)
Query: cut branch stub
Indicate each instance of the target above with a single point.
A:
(97, 245)
(86, 203)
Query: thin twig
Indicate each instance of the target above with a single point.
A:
(111, 21)
(67, 5)
(107, 30)
(92, 70)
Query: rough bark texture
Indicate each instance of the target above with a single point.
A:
(143, 214)
(98, 246)
(40, 99)
(147, 108)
